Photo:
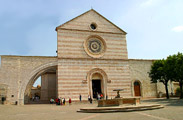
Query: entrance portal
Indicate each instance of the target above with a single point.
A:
(97, 79)
(96, 87)
(137, 88)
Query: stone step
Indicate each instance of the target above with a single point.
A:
(120, 109)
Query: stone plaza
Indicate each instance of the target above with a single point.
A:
(172, 111)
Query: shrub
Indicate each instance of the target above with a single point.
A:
(177, 92)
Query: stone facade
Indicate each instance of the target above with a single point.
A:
(75, 61)
(89, 48)
(20, 72)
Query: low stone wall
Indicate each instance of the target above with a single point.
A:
(118, 101)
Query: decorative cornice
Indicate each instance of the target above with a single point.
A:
(89, 31)
(91, 59)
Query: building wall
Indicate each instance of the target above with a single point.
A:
(83, 21)
(72, 73)
(71, 44)
(14, 73)
(139, 71)
(48, 86)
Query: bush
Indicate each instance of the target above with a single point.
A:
(177, 92)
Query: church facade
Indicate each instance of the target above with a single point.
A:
(92, 58)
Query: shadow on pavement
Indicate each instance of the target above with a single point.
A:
(165, 102)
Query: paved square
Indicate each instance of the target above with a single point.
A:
(172, 111)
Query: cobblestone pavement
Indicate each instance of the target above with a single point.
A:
(173, 111)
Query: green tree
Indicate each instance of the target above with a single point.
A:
(158, 74)
(174, 68)
(179, 72)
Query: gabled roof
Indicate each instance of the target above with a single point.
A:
(86, 13)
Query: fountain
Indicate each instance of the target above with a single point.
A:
(117, 105)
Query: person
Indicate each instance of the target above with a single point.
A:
(89, 97)
(98, 96)
(64, 101)
(80, 97)
(69, 101)
(51, 101)
(61, 101)
(106, 97)
(91, 100)
(58, 101)
(101, 96)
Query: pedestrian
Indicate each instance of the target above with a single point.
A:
(91, 100)
(69, 101)
(64, 101)
(61, 101)
(89, 97)
(58, 101)
(101, 96)
(106, 97)
(80, 97)
(51, 101)
(98, 96)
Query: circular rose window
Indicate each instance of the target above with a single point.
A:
(95, 47)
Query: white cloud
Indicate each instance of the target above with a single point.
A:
(178, 29)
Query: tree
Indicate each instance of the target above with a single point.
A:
(179, 72)
(158, 73)
(174, 69)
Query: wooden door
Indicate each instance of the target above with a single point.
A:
(137, 89)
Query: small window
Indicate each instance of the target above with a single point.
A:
(93, 26)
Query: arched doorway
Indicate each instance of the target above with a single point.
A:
(137, 88)
(97, 82)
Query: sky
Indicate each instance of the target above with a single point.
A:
(154, 27)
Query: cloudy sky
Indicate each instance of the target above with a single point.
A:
(154, 27)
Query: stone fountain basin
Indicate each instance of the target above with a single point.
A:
(119, 101)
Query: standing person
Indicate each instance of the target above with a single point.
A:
(106, 97)
(101, 96)
(69, 101)
(98, 96)
(91, 100)
(64, 101)
(89, 97)
(61, 101)
(58, 101)
(80, 97)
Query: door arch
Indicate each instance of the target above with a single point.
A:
(137, 88)
(99, 74)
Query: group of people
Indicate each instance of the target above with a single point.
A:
(100, 96)
(59, 101)
(62, 101)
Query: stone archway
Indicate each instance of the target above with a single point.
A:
(103, 78)
(25, 88)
